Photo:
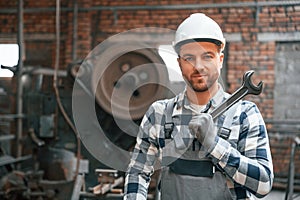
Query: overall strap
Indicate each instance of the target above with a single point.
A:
(228, 116)
(169, 125)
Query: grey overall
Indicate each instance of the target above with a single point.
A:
(193, 177)
(176, 185)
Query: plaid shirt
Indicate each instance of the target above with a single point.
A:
(244, 157)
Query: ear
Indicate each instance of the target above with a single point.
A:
(221, 59)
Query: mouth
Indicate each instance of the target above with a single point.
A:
(198, 75)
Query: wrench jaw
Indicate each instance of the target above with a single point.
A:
(247, 88)
(247, 83)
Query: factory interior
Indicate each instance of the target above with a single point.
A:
(77, 77)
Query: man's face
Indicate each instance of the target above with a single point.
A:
(200, 64)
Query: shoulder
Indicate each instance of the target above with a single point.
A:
(160, 105)
(249, 106)
(242, 104)
(242, 108)
(249, 113)
(156, 110)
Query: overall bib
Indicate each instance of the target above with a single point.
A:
(192, 177)
(188, 174)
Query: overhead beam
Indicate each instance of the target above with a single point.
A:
(160, 7)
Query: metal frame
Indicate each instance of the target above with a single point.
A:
(289, 195)
(161, 7)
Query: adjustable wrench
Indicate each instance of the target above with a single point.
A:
(246, 88)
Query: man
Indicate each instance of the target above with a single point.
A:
(228, 158)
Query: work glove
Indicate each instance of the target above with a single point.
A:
(202, 126)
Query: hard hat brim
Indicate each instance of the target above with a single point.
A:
(179, 44)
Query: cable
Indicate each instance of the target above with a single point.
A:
(61, 108)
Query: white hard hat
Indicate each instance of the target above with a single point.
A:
(198, 27)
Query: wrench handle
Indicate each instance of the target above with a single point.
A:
(233, 99)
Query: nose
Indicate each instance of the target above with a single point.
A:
(198, 64)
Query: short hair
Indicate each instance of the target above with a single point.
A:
(216, 42)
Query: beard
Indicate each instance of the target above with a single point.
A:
(200, 85)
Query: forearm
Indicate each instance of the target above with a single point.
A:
(140, 170)
(253, 171)
(136, 186)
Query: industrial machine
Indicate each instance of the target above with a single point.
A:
(57, 162)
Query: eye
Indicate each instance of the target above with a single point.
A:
(189, 58)
(208, 56)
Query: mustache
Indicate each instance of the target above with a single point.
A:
(197, 73)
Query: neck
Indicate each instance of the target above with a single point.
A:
(202, 98)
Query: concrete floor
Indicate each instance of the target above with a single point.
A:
(279, 195)
(275, 195)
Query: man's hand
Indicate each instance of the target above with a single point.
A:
(202, 126)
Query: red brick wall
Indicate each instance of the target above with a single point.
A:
(96, 25)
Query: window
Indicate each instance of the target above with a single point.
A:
(9, 56)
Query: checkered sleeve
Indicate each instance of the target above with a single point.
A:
(249, 164)
(144, 155)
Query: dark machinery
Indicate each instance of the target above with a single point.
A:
(49, 167)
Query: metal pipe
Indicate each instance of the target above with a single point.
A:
(75, 16)
(9, 160)
(282, 121)
(291, 176)
(11, 116)
(7, 137)
(161, 7)
(37, 70)
(194, 6)
(19, 81)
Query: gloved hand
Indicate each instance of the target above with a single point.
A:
(202, 126)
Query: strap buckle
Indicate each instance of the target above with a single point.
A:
(168, 128)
